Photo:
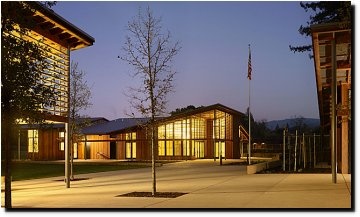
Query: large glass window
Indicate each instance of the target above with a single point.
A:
(161, 132)
(169, 148)
(198, 128)
(169, 131)
(177, 148)
(219, 128)
(62, 141)
(130, 150)
(219, 147)
(199, 149)
(130, 145)
(186, 148)
(33, 137)
(161, 148)
(177, 129)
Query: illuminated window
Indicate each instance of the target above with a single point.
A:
(217, 146)
(177, 148)
(198, 128)
(130, 136)
(169, 131)
(161, 132)
(186, 129)
(169, 148)
(178, 129)
(75, 150)
(62, 141)
(130, 145)
(198, 149)
(161, 148)
(186, 148)
(130, 150)
(219, 128)
(33, 137)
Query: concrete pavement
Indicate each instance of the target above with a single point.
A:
(207, 185)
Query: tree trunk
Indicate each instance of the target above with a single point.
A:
(7, 141)
(153, 160)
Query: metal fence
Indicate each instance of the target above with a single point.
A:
(302, 151)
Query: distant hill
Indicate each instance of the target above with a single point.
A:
(310, 122)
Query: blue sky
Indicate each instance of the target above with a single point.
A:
(212, 64)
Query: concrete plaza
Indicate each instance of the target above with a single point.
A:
(207, 185)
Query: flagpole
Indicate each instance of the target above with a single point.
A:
(249, 77)
(249, 146)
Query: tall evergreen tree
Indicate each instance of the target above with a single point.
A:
(323, 12)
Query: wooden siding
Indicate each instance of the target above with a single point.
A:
(49, 146)
(101, 149)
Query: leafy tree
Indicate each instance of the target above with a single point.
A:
(80, 95)
(323, 12)
(150, 52)
(22, 63)
(185, 109)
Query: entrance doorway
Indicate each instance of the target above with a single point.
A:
(220, 145)
(112, 150)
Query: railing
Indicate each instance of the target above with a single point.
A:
(104, 156)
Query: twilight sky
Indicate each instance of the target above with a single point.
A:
(212, 64)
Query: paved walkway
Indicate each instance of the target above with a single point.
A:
(207, 185)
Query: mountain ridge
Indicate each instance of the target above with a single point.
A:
(291, 122)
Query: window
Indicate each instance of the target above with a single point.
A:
(130, 136)
(169, 148)
(222, 146)
(130, 145)
(170, 131)
(62, 141)
(161, 148)
(177, 148)
(198, 128)
(186, 148)
(161, 132)
(33, 137)
(130, 150)
(177, 130)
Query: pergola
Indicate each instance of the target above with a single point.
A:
(332, 59)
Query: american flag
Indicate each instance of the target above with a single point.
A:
(249, 65)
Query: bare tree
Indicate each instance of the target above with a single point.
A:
(151, 53)
(80, 95)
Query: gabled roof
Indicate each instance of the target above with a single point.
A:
(113, 126)
(204, 109)
(122, 124)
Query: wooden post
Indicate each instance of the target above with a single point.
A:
(296, 138)
(284, 141)
(333, 110)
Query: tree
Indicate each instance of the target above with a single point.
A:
(150, 52)
(184, 109)
(80, 95)
(324, 12)
(22, 63)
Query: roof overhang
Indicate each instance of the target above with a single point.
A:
(59, 30)
(322, 37)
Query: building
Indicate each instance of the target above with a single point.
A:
(332, 56)
(59, 37)
(205, 132)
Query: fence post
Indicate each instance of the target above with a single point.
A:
(314, 151)
(284, 141)
(289, 162)
(304, 150)
(296, 135)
